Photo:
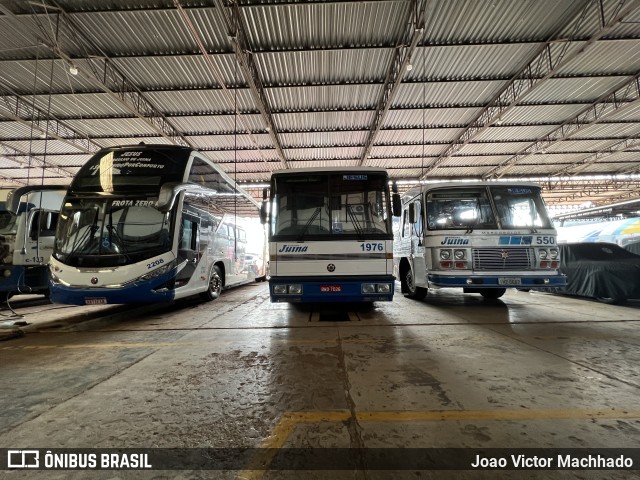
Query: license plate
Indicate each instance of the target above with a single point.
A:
(509, 281)
(330, 288)
(95, 301)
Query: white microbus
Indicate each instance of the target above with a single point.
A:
(28, 218)
(149, 223)
(483, 237)
(330, 235)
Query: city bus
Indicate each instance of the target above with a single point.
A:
(28, 219)
(330, 235)
(482, 237)
(149, 223)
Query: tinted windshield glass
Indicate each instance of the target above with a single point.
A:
(459, 208)
(131, 170)
(514, 207)
(110, 232)
(330, 205)
(519, 207)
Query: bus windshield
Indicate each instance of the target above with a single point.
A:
(493, 207)
(330, 205)
(101, 232)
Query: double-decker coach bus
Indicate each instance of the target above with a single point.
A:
(149, 223)
(483, 237)
(330, 235)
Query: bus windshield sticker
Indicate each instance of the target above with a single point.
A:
(354, 177)
(519, 191)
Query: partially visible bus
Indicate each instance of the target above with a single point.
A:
(28, 219)
(619, 231)
(482, 237)
(149, 223)
(330, 235)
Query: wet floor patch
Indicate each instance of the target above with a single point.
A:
(333, 316)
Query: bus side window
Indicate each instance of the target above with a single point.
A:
(43, 224)
(417, 226)
(406, 226)
(189, 235)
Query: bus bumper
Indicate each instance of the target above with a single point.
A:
(361, 289)
(498, 281)
(151, 291)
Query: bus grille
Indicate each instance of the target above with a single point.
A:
(503, 258)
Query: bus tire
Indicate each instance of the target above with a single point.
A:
(214, 287)
(492, 293)
(417, 293)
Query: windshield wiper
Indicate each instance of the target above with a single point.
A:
(86, 238)
(308, 224)
(478, 211)
(356, 223)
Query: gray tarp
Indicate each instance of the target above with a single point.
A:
(600, 270)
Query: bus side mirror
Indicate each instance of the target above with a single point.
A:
(263, 213)
(263, 207)
(412, 213)
(396, 205)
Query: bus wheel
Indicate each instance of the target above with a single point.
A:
(492, 293)
(417, 293)
(215, 285)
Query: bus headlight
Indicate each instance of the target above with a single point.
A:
(445, 254)
(284, 289)
(155, 273)
(543, 254)
(554, 253)
(368, 288)
(280, 289)
(459, 254)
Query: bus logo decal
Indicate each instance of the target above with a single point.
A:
(293, 248)
(454, 241)
(331, 267)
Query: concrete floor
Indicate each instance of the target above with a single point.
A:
(529, 370)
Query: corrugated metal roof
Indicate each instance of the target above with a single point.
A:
(322, 67)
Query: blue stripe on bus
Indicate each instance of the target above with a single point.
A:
(515, 240)
(527, 281)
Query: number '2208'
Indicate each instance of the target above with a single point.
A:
(155, 263)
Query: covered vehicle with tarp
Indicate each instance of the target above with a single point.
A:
(600, 270)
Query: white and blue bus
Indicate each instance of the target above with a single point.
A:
(482, 237)
(149, 223)
(330, 235)
(28, 219)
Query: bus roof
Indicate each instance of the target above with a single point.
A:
(293, 171)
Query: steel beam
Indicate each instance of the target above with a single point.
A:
(395, 73)
(548, 60)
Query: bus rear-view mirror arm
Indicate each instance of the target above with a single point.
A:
(396, 205)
